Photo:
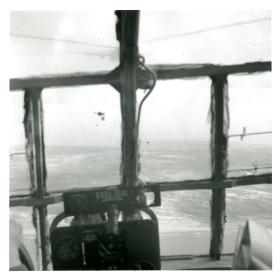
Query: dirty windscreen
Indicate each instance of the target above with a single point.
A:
(219, 37)
(55, 42)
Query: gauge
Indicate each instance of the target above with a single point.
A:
(111, 247)
(67, 249)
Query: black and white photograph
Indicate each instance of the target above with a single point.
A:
(140, 140)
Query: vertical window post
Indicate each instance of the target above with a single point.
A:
(127, 32)
(35, 150)
(219, 141)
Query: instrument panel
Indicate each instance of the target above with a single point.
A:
(136, 246)
(98, 200)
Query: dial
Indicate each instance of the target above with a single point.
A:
(111, 247)
(67, 249)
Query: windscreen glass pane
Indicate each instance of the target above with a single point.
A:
(23, 217)
(82, 137)
(53, 42)
(246, 203)
(19, 170)
(250, 152)
(175, 131)
(223, 37)
(250, 141)
(184, 222)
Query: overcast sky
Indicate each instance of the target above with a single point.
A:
(176, 110)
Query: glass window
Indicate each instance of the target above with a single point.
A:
(250, 104)
(82, 137)
(243, 203)
(184, 222)
(175, 131)
(23, 216)
(19, 170)
(54, 42)
(226, 37)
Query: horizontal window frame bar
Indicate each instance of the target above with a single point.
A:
(204, 184)
(30, 201)
(181, 71)
(208, 184)
(64, 80)
(163, 72)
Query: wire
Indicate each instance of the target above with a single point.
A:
(152, 40)
(207, 29)
(142, 63)
(61, 40)
(249, 134)
(250, 169)
(92, 53)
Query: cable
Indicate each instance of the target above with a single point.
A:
(61, 40)
(207, 29)
(249, 134)
(142, 63)
(92, 53)
(250, 169)
(152, 40)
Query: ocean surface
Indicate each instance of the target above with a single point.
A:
(184, 215)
